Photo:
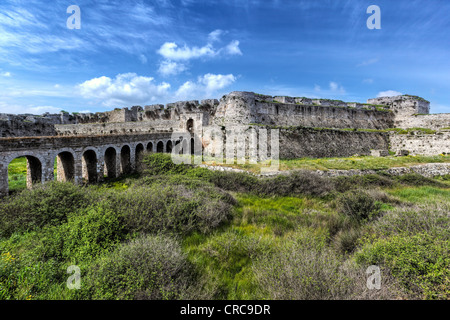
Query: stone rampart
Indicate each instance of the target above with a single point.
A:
(418, 143)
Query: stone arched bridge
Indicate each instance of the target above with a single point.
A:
(79, 158)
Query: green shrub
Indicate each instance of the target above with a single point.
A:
(234, 181)
(358, 205)
(86, 235)
(432, 219)
(297, 183)
(150, 267)
(416, 180)
(170, 208)
(346, 241)
(161, 164)
(301, 269)
(47, 204)
(22, 280)
(420, 262)
(344, 183)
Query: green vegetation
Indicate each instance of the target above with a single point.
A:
(414, 130)
(179, 232)
(360, 163)
(17, 174)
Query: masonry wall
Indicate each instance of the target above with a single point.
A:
(28, 125)
(176, 122)
(247, 108)
(431, 121)
(320, 116)
(296, 142)
(421, 144)
(306, 142)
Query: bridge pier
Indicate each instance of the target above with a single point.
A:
(78, 170)
(3, 179)
(101, 167)
(133, 160)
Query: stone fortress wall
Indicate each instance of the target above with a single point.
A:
(413, 112)
(310, 127)
(247, 107)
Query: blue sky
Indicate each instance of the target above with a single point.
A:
(145, 52)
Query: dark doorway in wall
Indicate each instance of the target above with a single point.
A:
(110, 163)
(125, 160)
(139, 155)
(89, 166)
(160, 147)
(169, 146)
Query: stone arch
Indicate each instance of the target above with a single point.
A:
(111, 162)
(160, 147)
(34, 170)
(65, 166)
(190, 125)
(150, 147)
(169, 146)
(125, 160)
(89, 166)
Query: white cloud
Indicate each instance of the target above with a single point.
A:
(333, 90)
(29, 30)
(388, 93)
(368, 62)
(205, 86)
(124, 90)
(215, 35)
(26, 109)
(44, 109)
(5, 74)
(336, 88)
(168, 68)
(143, 59)
(233, 48)
(171, 51)
(213, 82)
(368, 81)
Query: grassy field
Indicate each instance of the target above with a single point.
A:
(17, 174)
(361, 163)
(178, 232)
